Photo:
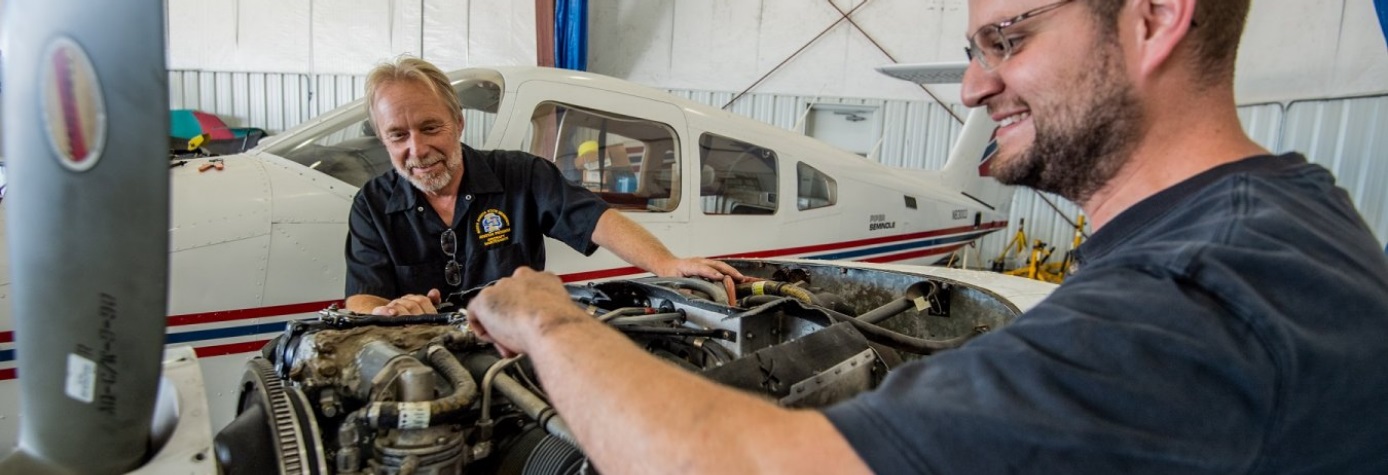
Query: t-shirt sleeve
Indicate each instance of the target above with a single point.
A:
(1095, 379)
(369, 268)
(567, 212)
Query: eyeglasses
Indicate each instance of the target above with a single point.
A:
(991, 46)
(453, 271)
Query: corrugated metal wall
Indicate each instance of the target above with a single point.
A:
(1343, 134)
(1349, 137)
(278, 102)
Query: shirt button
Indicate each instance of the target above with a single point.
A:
(467, 197)
(420, 209)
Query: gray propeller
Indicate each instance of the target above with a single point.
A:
(86, 121)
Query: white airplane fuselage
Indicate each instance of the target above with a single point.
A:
(261, 241)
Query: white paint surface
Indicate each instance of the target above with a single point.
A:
(346, 36)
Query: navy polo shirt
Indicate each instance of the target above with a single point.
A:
(507, 202)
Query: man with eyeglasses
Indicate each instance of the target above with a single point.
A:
(450, 217)
(1228, 316)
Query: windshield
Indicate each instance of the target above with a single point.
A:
(344, 144)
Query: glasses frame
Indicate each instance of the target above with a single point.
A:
(975, 53)
(452, 271)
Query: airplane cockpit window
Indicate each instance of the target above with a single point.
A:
(345, 146)
(817, 190)
(631, 163)
(737, 177)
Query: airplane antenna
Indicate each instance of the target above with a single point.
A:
(88, 228)
(800, 123)
(876, 148)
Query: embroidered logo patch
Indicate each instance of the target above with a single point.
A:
(493, 227)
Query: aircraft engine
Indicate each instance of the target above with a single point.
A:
(359, 394)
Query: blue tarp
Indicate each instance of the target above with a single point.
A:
(571, 34)
(1382, 6)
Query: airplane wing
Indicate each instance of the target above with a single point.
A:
(927, 73)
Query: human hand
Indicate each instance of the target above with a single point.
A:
(710, 269)
(412, 304)
(517, 309)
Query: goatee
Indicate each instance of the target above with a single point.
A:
(1081, 144)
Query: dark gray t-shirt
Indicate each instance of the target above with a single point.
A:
(1234, 323)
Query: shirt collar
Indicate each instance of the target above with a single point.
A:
(478, 177)
(1147, 211)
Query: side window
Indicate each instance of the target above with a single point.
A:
(736, 177)
(631, 163)
(817, 190)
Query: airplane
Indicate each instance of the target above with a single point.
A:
(256, 240)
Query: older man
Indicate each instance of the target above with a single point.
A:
(1228, 316)
(451, 217)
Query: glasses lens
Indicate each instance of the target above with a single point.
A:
(453, 273)
(990, 46)
(449, 241)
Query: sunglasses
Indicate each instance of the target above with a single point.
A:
(453, 271)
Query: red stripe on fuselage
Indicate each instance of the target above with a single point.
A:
(864, 242)
(913, 254)
(248, 313)
(621, 271)
(228, 315)
(229, 349)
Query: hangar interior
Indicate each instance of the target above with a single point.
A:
(1311, 79)
(1310, 74)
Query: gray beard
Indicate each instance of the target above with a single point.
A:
(436, 183)
(1082, 145)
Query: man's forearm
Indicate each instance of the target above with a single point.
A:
(633, 413)
(630, 241)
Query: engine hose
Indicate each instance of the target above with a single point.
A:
(716, 351)
(402, 320)
(625, 312)
(876, 334)
(896, 340)
(419, 415)
(678, 331)
(487, 379)
(889, 310)
(755, 300)
(524, 399)
(714, 291)
(771, 287)
(652, 318)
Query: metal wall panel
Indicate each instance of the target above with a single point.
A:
(1349, 137)
(271, 101)
(278, 102)
(1263, 123)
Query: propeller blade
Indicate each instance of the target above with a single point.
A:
(86, 121)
